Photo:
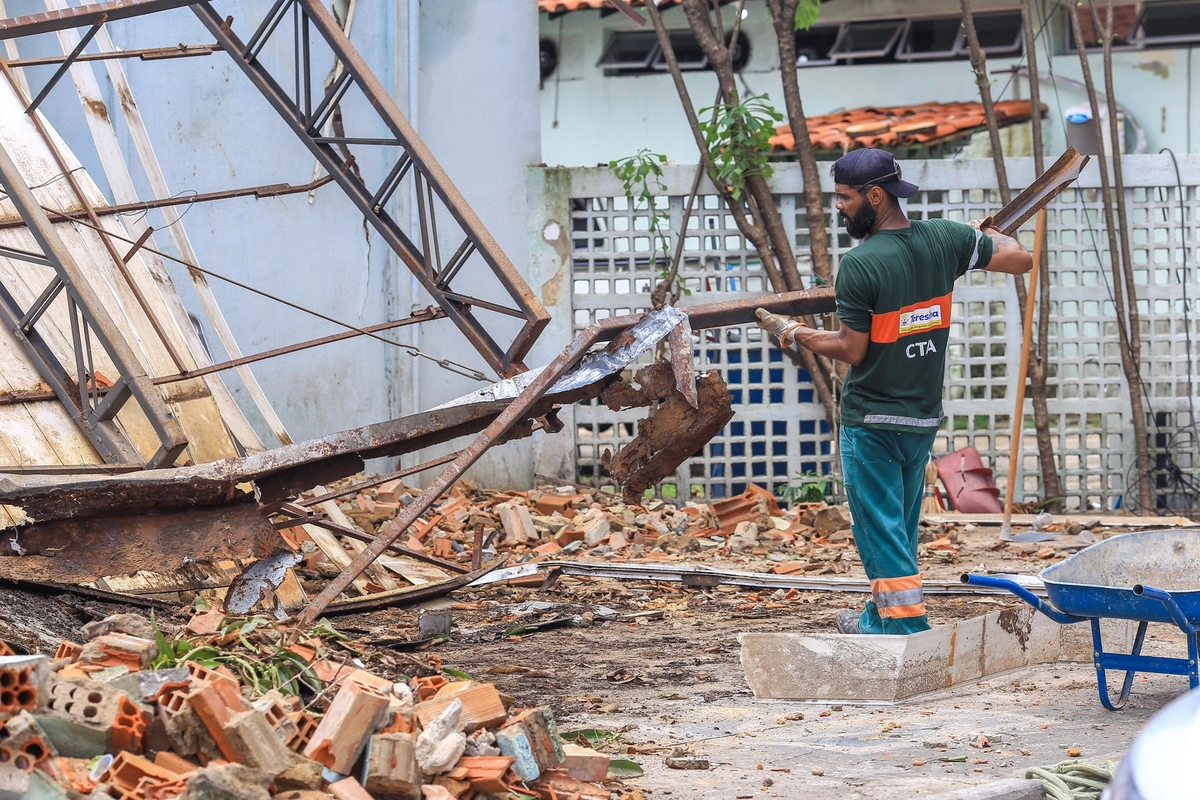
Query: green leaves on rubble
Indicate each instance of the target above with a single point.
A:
(594, 738)
(457, 673)
(624, 768)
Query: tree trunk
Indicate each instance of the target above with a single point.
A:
(783, 16)
(757, 234)
(1129, 364)
(1038, 371)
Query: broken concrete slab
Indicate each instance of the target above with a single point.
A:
(888, 669)
(1014, 789)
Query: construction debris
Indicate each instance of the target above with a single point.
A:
(254, 710)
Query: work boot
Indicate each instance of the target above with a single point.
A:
(847, 621)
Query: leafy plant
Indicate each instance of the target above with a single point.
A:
(808, 487)
(594, 738)
(641, 174)
(263, 664)
(739, 137)
(806, 14)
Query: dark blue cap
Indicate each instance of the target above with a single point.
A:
(872, 167)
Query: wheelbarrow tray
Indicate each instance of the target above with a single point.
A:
(1098, 581)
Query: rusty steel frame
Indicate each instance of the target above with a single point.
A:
(180, 50)
(258, 192)
(424, 315)
(95, 415)
(306, 114)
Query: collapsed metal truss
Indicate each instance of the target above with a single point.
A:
(307, 110)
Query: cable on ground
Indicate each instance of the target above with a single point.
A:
(1073, 780)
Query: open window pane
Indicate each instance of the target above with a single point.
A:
(999, 34)
(814, 44)
(930, 38)
(867, 39)
(1171, 22)
(687, 52)
(629, 50)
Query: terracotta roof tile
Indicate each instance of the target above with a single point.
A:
(563, 6)
(899, 125)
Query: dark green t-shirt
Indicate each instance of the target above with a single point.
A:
(897, 286)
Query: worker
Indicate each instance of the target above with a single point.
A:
(893, 302)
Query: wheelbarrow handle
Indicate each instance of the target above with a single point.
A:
(1021, 592)
(1167, 600)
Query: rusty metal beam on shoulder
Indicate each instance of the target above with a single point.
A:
(62, 19)
(1047, 186)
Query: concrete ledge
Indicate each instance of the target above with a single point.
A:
(887, 669)
(1011, 789)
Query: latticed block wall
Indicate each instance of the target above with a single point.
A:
(779, 429)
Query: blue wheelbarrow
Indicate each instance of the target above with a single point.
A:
(1148, 576)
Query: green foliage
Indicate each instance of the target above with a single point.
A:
(457, 673)
(262, 662)
(641, 175)
(808, 487)
(595, 738)
(738, 135)
(806, 14)
(624, 768)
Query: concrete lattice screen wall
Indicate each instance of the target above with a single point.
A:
(779, 430)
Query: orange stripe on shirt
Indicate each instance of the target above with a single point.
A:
(881, 585)
(926, 315)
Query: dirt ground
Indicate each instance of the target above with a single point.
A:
(656, 668)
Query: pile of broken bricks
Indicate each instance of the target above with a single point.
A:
(554, 522)
(98, 720)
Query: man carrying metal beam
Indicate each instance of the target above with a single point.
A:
(893, 300)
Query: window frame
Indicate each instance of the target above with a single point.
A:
(1142, 41)
(827, 61)
(933, 55)
(1013, 49)
(659, 61)
(620, 66)
(901, 26)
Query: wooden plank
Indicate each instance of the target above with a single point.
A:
(158, 185)
(205, 426)
(375, 571)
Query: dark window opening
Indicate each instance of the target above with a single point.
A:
(999, 34)
(930, 38)
(1164, 23)
(629, 50)
(814, 44)
(862, 40)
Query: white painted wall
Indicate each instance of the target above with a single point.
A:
(590, 118)
(477, 109)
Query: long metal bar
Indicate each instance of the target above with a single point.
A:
(109, 441)
(367, 484)
(23, 255)
(51, 21)
(468, 456)
(423, 316)
(145, 54)
(66, 63)
(1038, 194)
(506, 361)
(267, 190)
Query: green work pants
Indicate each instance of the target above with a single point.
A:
(884, 472)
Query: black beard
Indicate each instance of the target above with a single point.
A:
(860, 225)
